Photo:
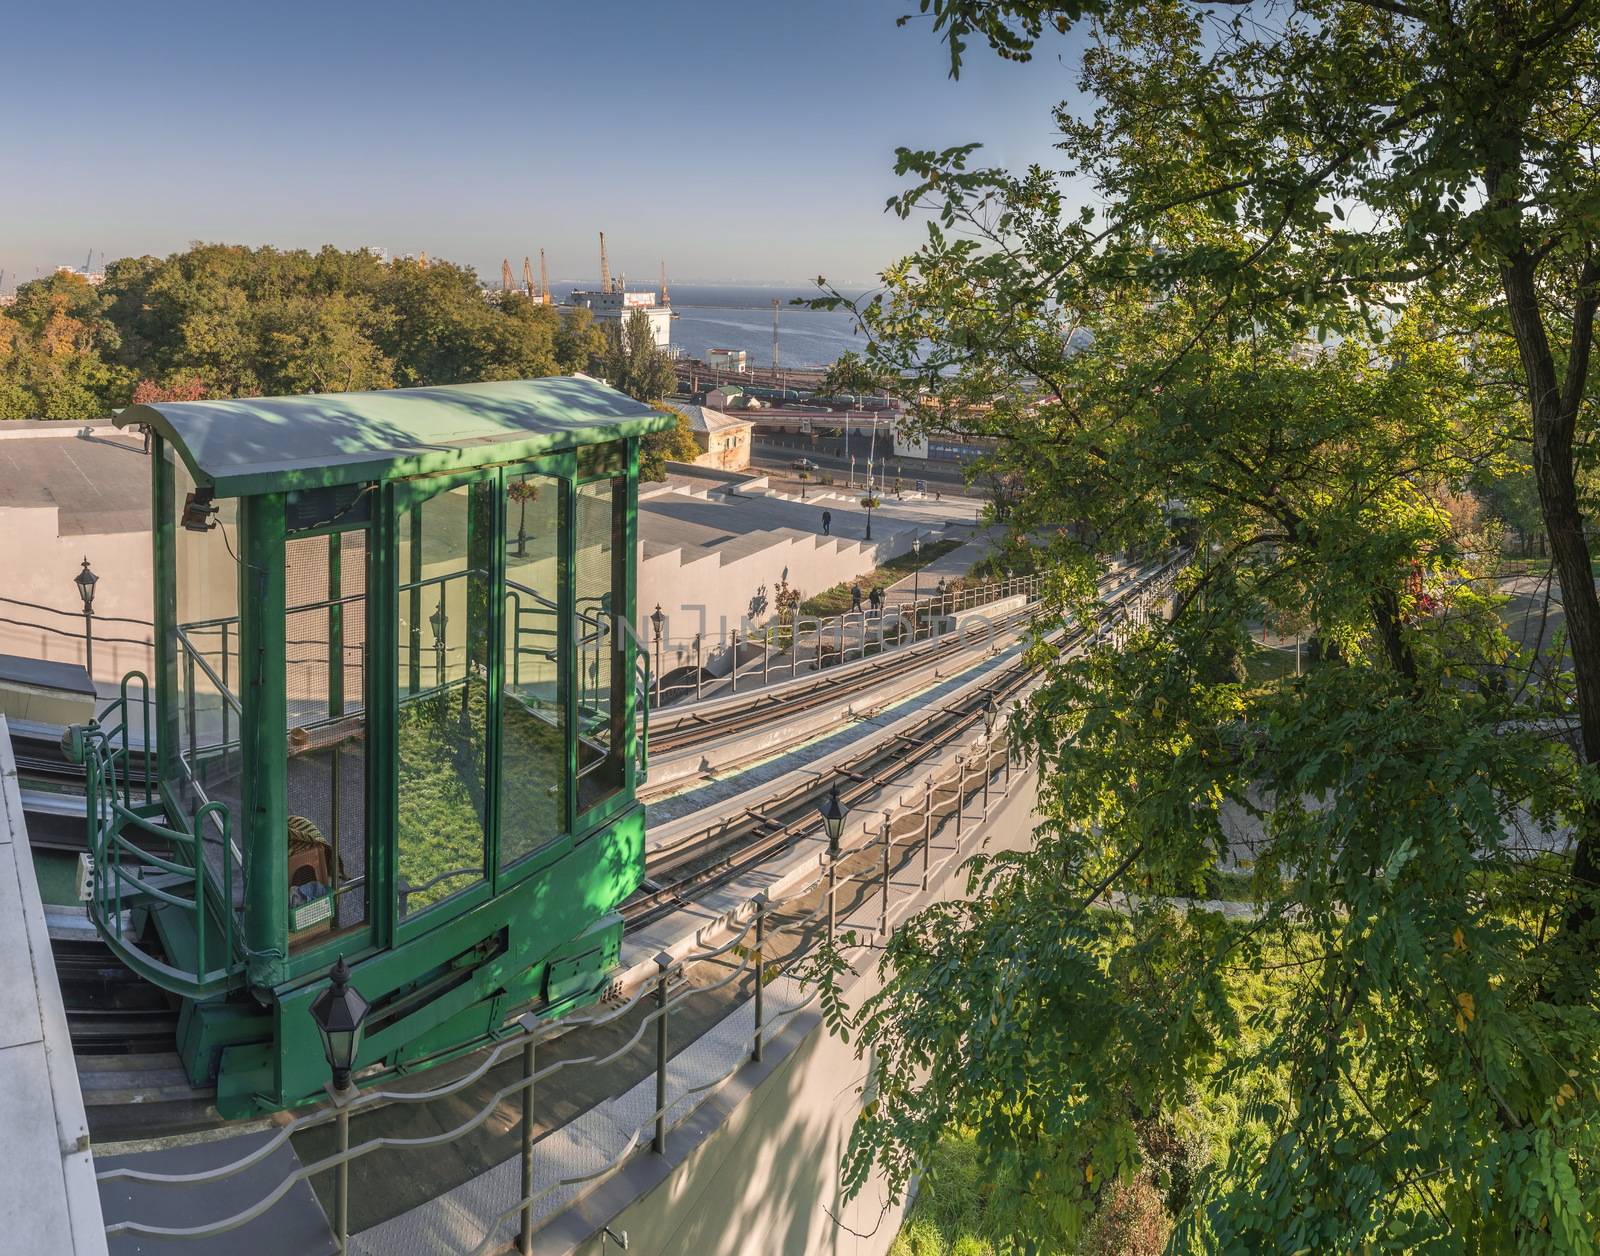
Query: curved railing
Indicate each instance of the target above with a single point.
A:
(137, 859)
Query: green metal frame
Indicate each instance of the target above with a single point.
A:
(542, 930)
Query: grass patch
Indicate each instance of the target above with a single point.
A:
(836, 601)
(1266, 665)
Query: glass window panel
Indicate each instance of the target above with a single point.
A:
(206, 659)
(207, 590)
(597, 558)
(533, 750)
(442, 678)
(325, 632)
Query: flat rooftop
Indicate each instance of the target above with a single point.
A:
(96, 477)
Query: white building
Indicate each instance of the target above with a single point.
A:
(728, 359)
(611, 307)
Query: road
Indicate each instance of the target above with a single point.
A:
(777, 453)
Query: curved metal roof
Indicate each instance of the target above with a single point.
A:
(273, 444)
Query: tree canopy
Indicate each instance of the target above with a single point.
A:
(230, 321)
(633, 362)
(676, 444)
(1312, 274)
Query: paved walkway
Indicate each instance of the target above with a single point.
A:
(47, 1192)
(949, 566)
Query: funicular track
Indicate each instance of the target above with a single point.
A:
(674, 729)
(705, 859)
(123, 1029)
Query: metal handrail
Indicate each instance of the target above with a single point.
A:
(111, 813)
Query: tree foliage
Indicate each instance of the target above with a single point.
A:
(243, 322)
(676, 444)
(633, 362)
(1340, 270)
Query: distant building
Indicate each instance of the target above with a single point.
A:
(723, 439)
(728, 359)
(613, 307)
(94, 278)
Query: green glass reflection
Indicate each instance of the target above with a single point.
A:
(533, 756)
(597, 555)
(443, 687)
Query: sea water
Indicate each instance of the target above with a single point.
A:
(739, 316)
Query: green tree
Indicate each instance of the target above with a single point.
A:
(633, 362)
(676, 444)
(1413, 1067)
(851, 373)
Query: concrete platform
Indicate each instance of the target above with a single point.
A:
(48, 1201)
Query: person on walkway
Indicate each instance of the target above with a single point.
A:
(876, 598)
(855, 597)
(827, 521)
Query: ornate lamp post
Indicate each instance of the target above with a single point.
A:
(656, 620)
(86, 580)
(916, 580)
(438, 621)
(833, 813)
(340, 1013)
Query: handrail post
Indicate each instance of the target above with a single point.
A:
(766, 654)
(658, 1144)
(525, 1238)
(883, 914)
(927, 826)
(697, 668)
(224, 692)
(1008, 761)
(988, 771)
(761, 971)
(341, 1178)
(961, 791)
(833, 897)
(733, 674)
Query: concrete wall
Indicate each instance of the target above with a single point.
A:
(37, 565)
(727, 447)
(767, 1178)
(711, 591)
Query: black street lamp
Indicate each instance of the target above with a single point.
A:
(339, 1012)
(439, 621)
(916, 571)
(833, 813)
(86, 580)
(656, 620)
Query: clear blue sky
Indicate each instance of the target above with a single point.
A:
(741, 141)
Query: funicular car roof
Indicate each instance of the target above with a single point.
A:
(276, 444)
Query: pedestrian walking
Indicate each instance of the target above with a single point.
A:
(827, 521)
(876, 598)
(855, 597)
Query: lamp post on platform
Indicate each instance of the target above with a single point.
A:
(86, 580)
(340, 1014)
(656, 620)
(833, 813)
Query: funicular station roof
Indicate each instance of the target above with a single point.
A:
(273, 444)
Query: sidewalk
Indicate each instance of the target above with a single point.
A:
(947, 567)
